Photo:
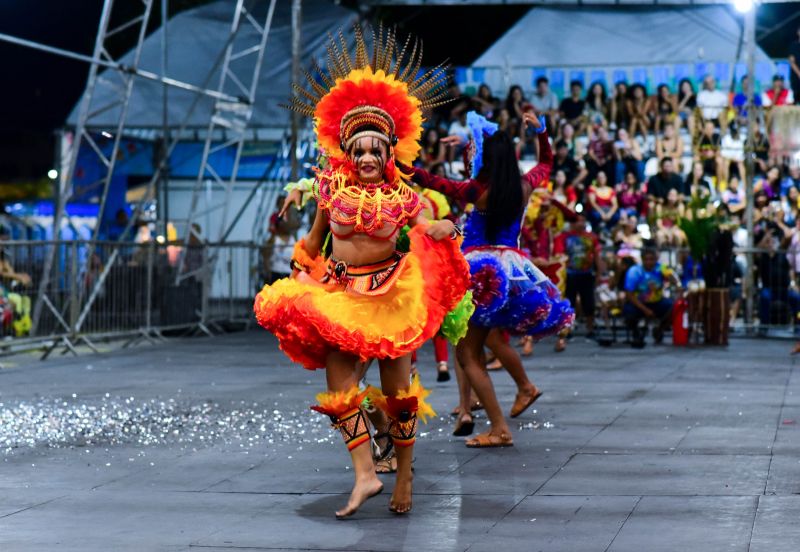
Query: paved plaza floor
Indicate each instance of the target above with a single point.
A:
(206, 444)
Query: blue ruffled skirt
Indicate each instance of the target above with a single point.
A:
(509, 292)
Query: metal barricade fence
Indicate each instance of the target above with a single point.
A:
(108, 289)
(775, 296)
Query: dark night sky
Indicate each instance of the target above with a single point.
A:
(40, 89)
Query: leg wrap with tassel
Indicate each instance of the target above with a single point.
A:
(403, 410)
(346, 414)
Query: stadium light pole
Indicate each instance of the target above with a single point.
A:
(297, 11)
(748, 8)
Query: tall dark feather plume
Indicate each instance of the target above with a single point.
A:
(387, 55)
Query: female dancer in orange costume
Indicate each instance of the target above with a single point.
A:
(368, 301)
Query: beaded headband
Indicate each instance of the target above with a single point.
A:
(366, 120)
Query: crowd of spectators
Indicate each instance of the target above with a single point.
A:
(635, 164)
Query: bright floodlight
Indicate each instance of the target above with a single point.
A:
(52, 174)
(743, 6)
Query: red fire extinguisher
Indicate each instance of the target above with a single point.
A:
(680, 322)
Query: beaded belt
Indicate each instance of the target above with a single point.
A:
(372, 279)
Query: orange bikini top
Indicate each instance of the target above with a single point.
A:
(379, 210)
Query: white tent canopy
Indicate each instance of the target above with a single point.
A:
(608, 37)
(195, 39)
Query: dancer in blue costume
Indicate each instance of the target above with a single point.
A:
(508, 290)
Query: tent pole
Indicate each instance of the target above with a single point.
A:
(297, 11)
(162, 189)
(752, 123)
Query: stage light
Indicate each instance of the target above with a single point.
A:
(743, 6)
(106, 134)
(52, 174)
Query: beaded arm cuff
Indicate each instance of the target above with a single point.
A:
(307, 186)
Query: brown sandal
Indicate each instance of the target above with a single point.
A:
(521, 406)
(489, 440)
(386, 465)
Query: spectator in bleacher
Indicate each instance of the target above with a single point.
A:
(739, 102)
(485, 103)
(697, 184)
(545, 101)
(770, 186)
(778, 94)
(515, 102)
(566, 133)
(503, 120)
(627, 238)
(620, 117)
(600, 154)
(733, 196)
(644, 296)
(789, 206)
(452, 107)
(761, 153)
(732, 153)
(666, 108)
(640, 111)
(597, 109)
(792, 180)
(794, 65)
(571, 108)
(584, 262)
(575, 173)
(278, 251)
(687, 102)
(458, 128)
(433, 151)
(8, 276)
(663, 181)
(670, 144)
(631, 197)
(628, 156)
(709, 148)
(774, 273)
(603, 205)
(667, 216)
(563, 191)
(713, 103)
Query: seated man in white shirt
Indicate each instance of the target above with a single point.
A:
(713, 103)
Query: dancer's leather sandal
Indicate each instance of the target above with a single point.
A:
(521, 406)
(487, 440)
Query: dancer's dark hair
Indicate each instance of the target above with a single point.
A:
(505, 190)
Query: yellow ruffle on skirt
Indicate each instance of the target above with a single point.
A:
(312, 319)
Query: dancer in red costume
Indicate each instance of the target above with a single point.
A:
(367, 300)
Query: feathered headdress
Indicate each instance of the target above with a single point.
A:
(382, 96)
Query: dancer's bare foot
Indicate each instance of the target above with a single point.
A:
(494, 365)
(364, 489)
(401, 497)
(527, 347)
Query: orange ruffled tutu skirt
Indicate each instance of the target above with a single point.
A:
(384, 311)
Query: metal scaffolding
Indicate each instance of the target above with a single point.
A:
(232, 118)
(234, 96)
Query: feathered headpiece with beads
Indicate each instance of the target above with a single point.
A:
(382, 96)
